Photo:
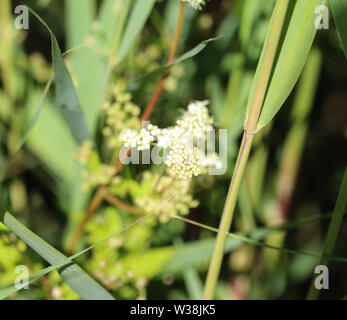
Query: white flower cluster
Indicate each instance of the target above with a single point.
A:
(142, 140)
(184, 162)
(184, 159)
(196, 4)
(197, 119)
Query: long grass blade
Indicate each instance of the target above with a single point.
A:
(339, 9)
(137, 20)
(72, 274)
(292, 57)
(66, 97)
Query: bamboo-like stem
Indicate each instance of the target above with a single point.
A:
(227, 216)
(99, 195)
(6, 54)
(249, 130)
(269, 56)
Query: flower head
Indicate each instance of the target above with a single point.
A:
(186, 158)
(196, 4)
(196, 118)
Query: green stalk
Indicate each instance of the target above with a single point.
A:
(295, 140)
(120, 27)
(6, 43)
(227, 216)
(249, 130)
(333, 231)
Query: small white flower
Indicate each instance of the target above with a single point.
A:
(129, 137)
(183, 162)
(132, 139)
(196, 119)
(145, 139)
(196, 4)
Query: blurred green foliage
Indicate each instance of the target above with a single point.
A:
(117, 48)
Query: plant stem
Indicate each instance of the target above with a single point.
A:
(333, 231)
(175, 42)
(227, 216)
(93, 206)
(269, 55)
(7, 52)
(269, 50)
(119, 203)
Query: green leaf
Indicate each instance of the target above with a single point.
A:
(11, 289)
(35, 117)
(137, 20)
(72, 274)
(25, 134)
(66, 97)
(51, 129)
(250, 11)
(307, 87)
(150, 263)
(159, 71)
(169, 260)
(45, 250)
(339, 9)
(193, 284)
(291, 60)
(111, 19)
(82, 11)
(195, 253)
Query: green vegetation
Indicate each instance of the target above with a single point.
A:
(74, 90)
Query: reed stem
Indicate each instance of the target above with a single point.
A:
(270, 48)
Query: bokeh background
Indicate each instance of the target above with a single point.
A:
(294, 172)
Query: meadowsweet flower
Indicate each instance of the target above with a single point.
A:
(196, 118)
(142, 140)
(196, 4)
(130, 138)
(183, 162)
(182, 141)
